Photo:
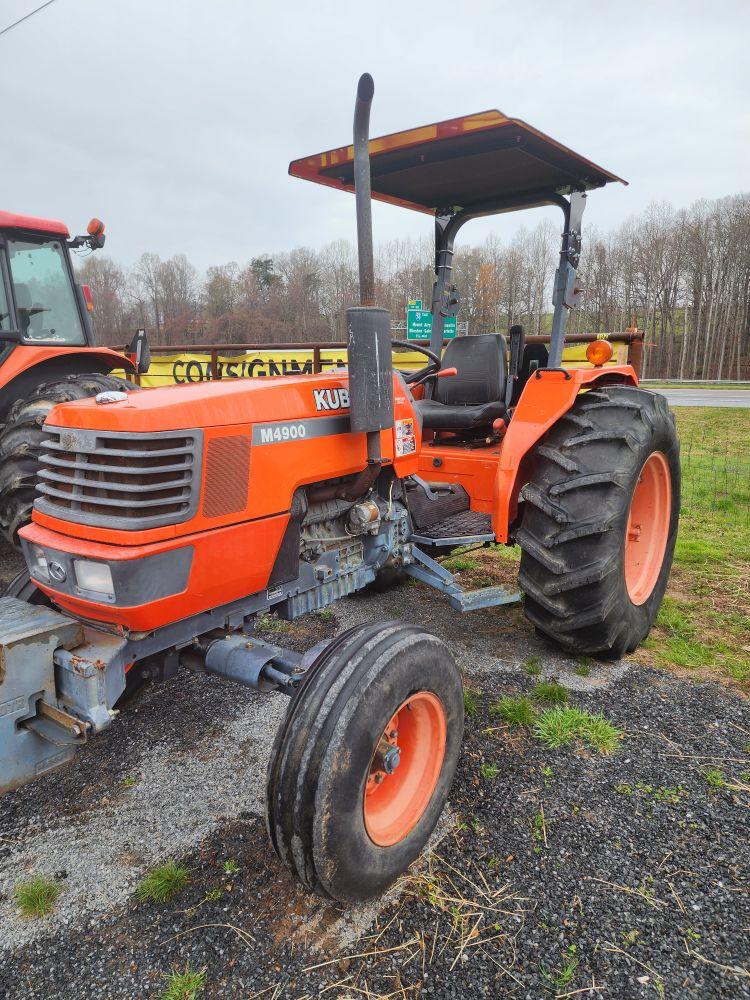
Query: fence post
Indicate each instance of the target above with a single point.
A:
(635, 352)
(317, 368)
(213, 368)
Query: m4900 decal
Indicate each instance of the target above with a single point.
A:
(298, 430)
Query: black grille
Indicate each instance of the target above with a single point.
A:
(130, 481)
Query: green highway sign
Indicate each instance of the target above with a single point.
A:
(414, 304)
(419, 325)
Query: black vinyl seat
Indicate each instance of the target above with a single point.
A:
(475, 396)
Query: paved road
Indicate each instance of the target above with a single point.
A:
(706, 397)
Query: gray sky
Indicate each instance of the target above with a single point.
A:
(175, 121)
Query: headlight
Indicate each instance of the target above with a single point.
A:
(94, 576)
(38, 563)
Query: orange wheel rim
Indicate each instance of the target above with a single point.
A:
(648, 527)
(397, 796)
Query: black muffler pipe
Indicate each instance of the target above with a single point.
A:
(363, 190)
(368, 328)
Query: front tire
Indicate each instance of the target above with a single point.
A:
(600, 521)
(21, 438)
(341, 814)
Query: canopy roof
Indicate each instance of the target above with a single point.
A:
(460, 163)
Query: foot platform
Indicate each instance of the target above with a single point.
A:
(429, 571)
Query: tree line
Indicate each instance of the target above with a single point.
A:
(681, 276)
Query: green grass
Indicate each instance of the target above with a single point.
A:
(185, 985)
(562, 975)
(715, 778)
(164, 882)
(514, 711)
(231, 867)
(703, 624)
(471, 702)
(551, 692)
(490, 771)
(585, 663)
(268, 622)
(37, 896)
(458, 564)
(563, 725)
(533, 666)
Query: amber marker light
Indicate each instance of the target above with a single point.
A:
(599, 352)
(95, 227)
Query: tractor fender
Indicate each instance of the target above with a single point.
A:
(547, 395)
(27, 367)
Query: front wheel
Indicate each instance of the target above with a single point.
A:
(600, 521)
(363, 762)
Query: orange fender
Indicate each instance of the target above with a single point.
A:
(543, 401)
(24, 357)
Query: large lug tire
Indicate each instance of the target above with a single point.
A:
(600, 516)
(21, 439)
(346, 827)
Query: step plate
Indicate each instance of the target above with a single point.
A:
(465, 528)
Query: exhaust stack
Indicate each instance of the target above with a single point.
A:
(369, 328)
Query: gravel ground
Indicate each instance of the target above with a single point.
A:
(634, 882)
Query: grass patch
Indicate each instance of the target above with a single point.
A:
(268, 622)
(533, 666)
(37, 896)
(460, 564)
(703, 624)
(565, 724)
(490, 771)
(563, 974)
(551, 692)
(514, 711)
(164, 882)
(471, 702)
(715, 778)
(185, 985)
(584, 665)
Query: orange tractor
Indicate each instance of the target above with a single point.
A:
(47, 352)
(167, 520)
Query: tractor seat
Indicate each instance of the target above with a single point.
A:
(475, 396)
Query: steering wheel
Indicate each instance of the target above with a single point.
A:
(431, 369)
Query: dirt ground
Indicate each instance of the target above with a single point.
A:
(555, 872)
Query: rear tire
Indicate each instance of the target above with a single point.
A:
(21, 438)
(342, 830)
(600, 521)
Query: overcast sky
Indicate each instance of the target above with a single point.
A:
(175, 121)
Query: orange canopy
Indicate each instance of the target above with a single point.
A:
(459, 163)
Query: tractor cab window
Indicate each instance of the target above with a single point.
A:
(45, 296)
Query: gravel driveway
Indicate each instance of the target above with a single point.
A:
(555, 872)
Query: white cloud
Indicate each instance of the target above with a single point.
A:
(175, 121)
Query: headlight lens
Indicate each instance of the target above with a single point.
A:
(94, 576)
(38, 563)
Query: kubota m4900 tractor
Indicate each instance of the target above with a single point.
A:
(47, 351)
(167, 520)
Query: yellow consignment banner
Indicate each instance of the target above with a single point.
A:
(183, 369)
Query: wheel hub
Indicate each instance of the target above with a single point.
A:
(648, 528)
(405, 768)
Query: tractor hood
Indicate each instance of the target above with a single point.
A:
(205, 405)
